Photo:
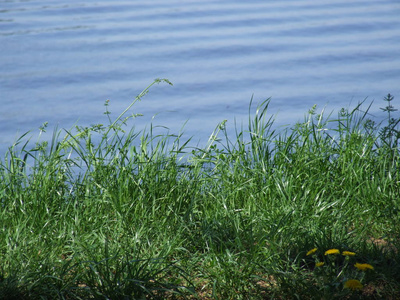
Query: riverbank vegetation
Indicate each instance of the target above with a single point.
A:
(309, 211)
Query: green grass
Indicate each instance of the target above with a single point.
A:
(104, 212)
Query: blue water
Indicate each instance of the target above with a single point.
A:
(60, 60)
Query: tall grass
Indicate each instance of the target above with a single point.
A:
(103, 212)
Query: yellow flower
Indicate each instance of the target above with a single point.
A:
(312, 251)
(332, 251)
(353, 284)
(319, 264)
(363, 267)
(348, 253)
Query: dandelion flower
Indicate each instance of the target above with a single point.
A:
(332, 251)
(348, 253)
(353, 284)
(319, 264)
(363, 267)
(312, 251)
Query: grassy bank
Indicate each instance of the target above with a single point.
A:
(311, 211)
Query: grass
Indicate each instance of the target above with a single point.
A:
(102, 212)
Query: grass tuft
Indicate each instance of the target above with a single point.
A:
(109, 212)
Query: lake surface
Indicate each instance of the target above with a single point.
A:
(61, 60)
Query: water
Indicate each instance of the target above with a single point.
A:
(60, 60)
